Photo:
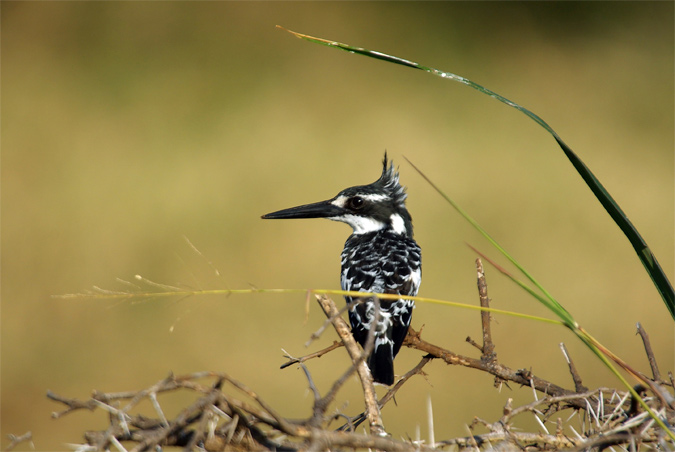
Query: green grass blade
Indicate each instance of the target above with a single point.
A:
(547, 300)
(645, 255)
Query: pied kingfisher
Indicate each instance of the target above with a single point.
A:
(379, 257)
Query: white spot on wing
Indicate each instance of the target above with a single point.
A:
(416, 277)
(397, 223)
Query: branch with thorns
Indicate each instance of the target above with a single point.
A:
(228, 415)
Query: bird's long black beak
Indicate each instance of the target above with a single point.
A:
(323, 209)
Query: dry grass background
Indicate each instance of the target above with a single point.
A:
(127, 126)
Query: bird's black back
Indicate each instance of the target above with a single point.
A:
(381, 262)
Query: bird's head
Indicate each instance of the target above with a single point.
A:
(366, 208)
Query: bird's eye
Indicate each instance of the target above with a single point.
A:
(356, 202)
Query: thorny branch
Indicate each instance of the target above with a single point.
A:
(228, 415)
(488, 348)
(576, 378)
(352, 423)
(218, 420)
(235, 422)
(522, 377)
(16, 440)
(650, 354)
(358, 360)
(319, 354)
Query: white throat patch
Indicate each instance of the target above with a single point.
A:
(361, 225)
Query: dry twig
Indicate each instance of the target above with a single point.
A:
(650, 354)
(16, 440)
(358, 360)
(228, 415)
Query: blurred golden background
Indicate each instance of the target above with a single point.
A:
(130, 126)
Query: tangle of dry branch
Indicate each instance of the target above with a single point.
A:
(228, 415)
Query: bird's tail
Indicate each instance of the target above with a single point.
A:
(381, 361)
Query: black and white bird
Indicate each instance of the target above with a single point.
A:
(379, 257)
